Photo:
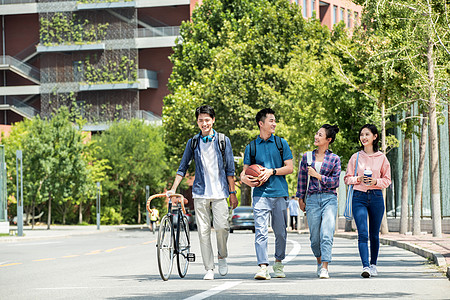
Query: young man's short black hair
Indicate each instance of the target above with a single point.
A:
(205, 109)
(262, 114)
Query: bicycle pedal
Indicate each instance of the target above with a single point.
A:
(191, 257)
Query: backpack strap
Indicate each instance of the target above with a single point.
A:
(194, 141)
(279, 144)
(253, 152)
(309, 164)
(222, 145)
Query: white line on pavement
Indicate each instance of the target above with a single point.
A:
(215, 290)
(33, 244)
(293, 253)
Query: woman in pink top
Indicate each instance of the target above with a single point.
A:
(367, 196)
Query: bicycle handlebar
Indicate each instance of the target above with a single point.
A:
(180, 199)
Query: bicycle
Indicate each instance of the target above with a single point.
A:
(171, 243)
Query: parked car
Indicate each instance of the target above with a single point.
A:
(242, 218)
(190, 215)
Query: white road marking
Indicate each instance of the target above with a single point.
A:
(33, 244)
(293, 253)
(215, 290)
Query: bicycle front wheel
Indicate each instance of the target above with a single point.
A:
(184, 246)
(165, 250)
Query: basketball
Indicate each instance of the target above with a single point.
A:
(255, 171)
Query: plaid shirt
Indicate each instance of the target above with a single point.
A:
(330, 171)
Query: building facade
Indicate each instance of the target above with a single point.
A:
(106, 59)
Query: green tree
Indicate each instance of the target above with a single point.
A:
(241, 56)
(136, 156)
(416, 31)
(54, 168)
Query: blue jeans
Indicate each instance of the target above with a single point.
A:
(368, 203)
(321, 209)
(277, 209)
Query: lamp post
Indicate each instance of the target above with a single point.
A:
(147, 194)
(98, 205)
(19, 193)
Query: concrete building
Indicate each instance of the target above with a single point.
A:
(107, 59)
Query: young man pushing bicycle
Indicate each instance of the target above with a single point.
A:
(213, 184)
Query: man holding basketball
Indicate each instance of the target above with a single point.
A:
(270, 191)
(213, 184)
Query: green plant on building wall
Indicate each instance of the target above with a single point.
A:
(62, 30)
(110, 72)
(101, 1)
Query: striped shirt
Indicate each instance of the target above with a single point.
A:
(330, 172)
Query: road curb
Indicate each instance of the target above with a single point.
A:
(437, 258)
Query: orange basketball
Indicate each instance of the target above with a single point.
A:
(255, 171)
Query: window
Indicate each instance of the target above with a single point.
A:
(356, 21)
(335, 13)
(341, 15)
(305, 12)
(349, 18)
(78, 70)
(313, 3)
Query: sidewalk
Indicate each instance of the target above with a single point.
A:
(435, 249)
(61, 231)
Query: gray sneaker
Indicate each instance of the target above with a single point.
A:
(223, 267)
(278, 270)
(324, 274)
(366, 272)
(263, 273)
(319, 266)
(373, 270)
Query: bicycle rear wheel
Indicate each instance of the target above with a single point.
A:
(184, 246)
(165, 250)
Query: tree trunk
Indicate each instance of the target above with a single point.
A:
(120, 202)
(33, 207)
(139, 212)
(405, 177)
(434, 147)
(49, 217)
(419, 181)
(80, 212)
(246, 195)
(64, 213)
(384, 224)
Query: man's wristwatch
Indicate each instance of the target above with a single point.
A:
(232, 192)
(274, 172)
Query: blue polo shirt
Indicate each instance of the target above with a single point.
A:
(268, 155)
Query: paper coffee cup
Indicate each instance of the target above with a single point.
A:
(368, 173)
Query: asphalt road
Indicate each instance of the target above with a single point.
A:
(122, 265)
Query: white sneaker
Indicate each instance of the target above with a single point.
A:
(373, 270)
(366, 272)
(263, 273)
(278, 270)
(319, 267)
(223, 267)
(209, 275)
(324, 274)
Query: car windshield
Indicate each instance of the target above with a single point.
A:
(243, 210)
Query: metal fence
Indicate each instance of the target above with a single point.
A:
(25, 68)
(17, 1)
(157, 31)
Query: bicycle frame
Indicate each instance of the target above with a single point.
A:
(183, 254)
